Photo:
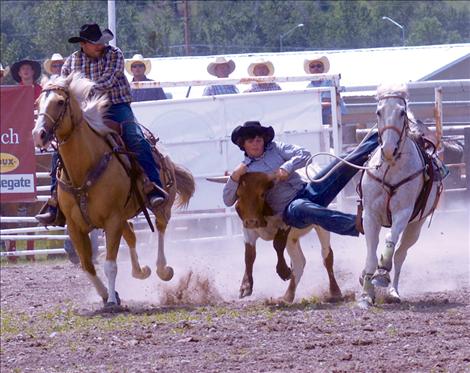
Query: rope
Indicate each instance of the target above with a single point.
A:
(341, 160)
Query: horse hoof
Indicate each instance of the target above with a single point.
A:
(393, 296)
(364, 304)
(166, 274)
(118, 300)
(284, 272)
(143, 274)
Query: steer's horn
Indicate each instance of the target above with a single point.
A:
(218, 179)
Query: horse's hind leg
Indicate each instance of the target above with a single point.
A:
(408, 239)
(328, 260)
(129, 236)
(82, 244)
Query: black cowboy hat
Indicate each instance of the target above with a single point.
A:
(16, 67)
(249, 130)
(91, 33)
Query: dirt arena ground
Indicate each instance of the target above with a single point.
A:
(51, 320)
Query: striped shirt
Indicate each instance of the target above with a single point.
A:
(107, 72)
(220, 89)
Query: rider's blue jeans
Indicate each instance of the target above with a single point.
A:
(135, 140)
(309, 206)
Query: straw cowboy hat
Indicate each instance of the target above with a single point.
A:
(251, 129)
(323, 59)
(91, 33)
(16, 67)
(4, 71)
(268, 64)
(47, 63)
(220, 61)
(138, 58)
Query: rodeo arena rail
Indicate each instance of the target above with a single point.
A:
(196, 134)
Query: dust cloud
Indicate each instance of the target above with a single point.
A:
(211, 272)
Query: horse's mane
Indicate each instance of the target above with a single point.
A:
(93, 108)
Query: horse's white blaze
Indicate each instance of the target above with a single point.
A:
(40, 124)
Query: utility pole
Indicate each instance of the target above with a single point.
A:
(187, 41)
(112, 21)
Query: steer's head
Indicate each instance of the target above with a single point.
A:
(251, 203)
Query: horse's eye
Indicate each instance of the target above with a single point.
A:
(61, 102)
(378, 113)
(402, 113)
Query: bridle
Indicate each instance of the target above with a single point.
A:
(51, 133)
(401, 134)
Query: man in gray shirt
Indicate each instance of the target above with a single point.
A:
(301, 204)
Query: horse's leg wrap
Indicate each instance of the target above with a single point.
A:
(367, 297)
(385, 261)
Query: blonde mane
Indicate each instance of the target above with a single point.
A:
(93, 108)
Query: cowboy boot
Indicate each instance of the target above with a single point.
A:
(48, 213)
(156, 196)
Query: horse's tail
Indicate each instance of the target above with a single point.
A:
(185, 185)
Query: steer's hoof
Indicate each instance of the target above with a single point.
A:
(284, 272)
(245, 292)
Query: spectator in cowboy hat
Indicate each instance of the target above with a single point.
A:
(139, 67)
(27, 72)
(321, 65)
(262, 68)
(221, 68)
(53, 65)
(3, 73)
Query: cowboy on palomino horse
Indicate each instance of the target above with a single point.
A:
(104, 65)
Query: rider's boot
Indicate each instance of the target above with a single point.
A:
(50, 213)
(156, 196)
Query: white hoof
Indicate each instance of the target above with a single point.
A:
(365, 302)
(166, 274)
(381, 278)
(393, 296)
(143, 274)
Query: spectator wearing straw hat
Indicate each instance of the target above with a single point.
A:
(221, 68)
(321, 65)
(139, 67)
(3, 73)
(53, 65)
(262, 68)
(27, 72)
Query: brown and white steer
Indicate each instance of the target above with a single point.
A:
(259, 222)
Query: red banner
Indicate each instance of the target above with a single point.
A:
(18, 163)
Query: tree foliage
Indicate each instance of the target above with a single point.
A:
(38, 28)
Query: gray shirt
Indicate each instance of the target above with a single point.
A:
(277, 155)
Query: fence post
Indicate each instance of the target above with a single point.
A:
(466, 152)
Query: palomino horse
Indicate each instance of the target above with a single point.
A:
(95, 190)
(399, 193)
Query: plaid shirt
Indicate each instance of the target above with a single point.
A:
(220, 89)
(107, 72)
(262, 87)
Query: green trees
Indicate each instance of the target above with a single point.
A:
(38, 28)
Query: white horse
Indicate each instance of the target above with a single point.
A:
(391, 193)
